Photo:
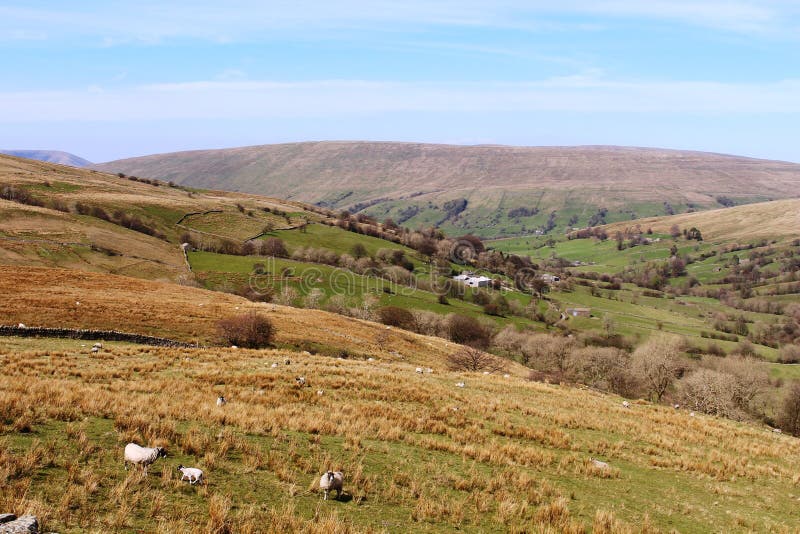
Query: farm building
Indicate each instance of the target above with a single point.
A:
(472, 280)
(579, 312)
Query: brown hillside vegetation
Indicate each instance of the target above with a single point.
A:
(493, 179)
(777, 219)
(72, 299)
(53, 234)
(419, 454)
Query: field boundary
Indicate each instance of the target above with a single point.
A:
(80, 333)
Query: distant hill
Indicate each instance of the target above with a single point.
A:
(764, 220)
(490, 190)
(50, 156)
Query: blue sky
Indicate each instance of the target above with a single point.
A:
(107, 80)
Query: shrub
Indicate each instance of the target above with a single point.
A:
(467, 331)
(789, 354)
(249, 330)
(472, 359)
(789, 417)
(399, 317)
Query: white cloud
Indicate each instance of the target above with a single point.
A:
(330, 98)
(151, 22)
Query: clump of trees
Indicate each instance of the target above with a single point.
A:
(474, 359)
(248, 330)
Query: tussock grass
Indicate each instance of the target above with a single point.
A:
(513, 457)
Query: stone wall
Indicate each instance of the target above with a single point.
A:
(80, 333)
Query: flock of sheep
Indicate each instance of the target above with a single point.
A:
(136, 455)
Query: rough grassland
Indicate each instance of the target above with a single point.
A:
(419, 454)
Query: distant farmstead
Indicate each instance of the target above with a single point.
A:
(472, 280)
(579, 312)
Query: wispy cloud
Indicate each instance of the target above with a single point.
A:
(149, 21)
(329, 98)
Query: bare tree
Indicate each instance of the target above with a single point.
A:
(472, 359)
(789, 418)
(657, 363)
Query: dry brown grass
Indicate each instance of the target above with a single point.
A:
(777, 219)
(513, 456)
(49, 297)
(608, 176)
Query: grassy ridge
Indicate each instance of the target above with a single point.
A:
(413, 182)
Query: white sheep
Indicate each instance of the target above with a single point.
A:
(370, 359)
(22, 325)
(459, 384)
(274, 365)
(300, 381)
(428, 370)
(626, 404)
(98, 345)
(597, 463)
(419, 370)
(320, 392)
(144, 456)
(221, 401)
(777, 430)
(95, 350)
(506, 375)
(192, 474)
(691, 414)
(486, 372)
(676, 406)
(332, 480)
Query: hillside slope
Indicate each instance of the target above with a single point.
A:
(777, 219)
(50, 156)
(40, 223)
(502, 454)
(477, 188)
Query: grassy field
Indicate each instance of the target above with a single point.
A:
(500, 455)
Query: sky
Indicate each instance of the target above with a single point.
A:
(108, 80)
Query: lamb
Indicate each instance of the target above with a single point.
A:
(598, 463)
(332, 480)
(192, 474)
(144, 456)
(626, 404)
(221, 401)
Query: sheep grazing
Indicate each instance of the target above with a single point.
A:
(300, 381)
(597, 463)
(428, 370)
(98, 345)
(274, 365)
(459, 384)
(506, 375)
(22, 325)
(95, 350)
(144, 456)
(420, 370)
(192, 474)
(676, 406)
(370, 359)
(777, 430)
(332, 480)
(691, 414)
(221, 401)
(626, 404)
(320, 392)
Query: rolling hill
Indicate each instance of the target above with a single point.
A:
(50, 156)
(490, 190)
